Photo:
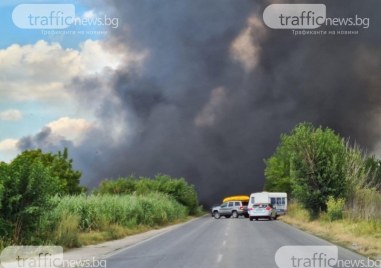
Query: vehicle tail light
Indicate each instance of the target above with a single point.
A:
(250, 208)
(268, 208)
(241, 207)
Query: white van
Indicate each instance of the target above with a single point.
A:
(277, 200)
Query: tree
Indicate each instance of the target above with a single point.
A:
(27, 186)
(277, 172)
(312, 162)
(60, 166)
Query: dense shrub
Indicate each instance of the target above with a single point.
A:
(26, 185)
(179, 189)
(27, 188)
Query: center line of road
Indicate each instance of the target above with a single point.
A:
(219, 258)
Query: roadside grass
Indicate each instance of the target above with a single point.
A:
(362, 236)
(112, 233)
(82, 220)
(75, 221)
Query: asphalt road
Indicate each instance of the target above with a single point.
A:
(208, 243)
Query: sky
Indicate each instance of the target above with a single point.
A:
(35, 67)
(195, 89)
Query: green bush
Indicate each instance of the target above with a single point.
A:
(27, 189)
(179, 189)
(26, 185)
(335, 208)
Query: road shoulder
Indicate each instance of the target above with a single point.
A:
(110, 248)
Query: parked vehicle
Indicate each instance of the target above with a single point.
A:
(277, 200)
(230, 209)
(262, 210)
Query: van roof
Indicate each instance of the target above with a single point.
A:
(280, 194)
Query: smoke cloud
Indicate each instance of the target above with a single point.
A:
(217, 89)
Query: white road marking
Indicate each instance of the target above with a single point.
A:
(219, 258)
(224, 243)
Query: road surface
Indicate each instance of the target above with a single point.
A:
(209, 243)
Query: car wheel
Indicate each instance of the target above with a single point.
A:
(270, 218)
(216, 215)
(250, 218)
(235, 214)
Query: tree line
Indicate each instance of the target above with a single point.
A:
(36, 183)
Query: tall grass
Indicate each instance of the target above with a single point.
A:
(71, 216)
(363, 200)
(67, 230)
(97, 212)
(296, 211)
(364, 204)
(356, 233)
(96, 218)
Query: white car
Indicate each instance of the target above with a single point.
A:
(262, 211)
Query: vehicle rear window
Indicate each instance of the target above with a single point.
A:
(260, 205)
(237, 204)
(280, 201)
(245, 203)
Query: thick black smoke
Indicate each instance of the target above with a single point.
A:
(218, 88)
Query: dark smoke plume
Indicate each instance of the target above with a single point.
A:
(218, 88)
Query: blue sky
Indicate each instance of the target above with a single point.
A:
(35, 73)
(11, 34)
